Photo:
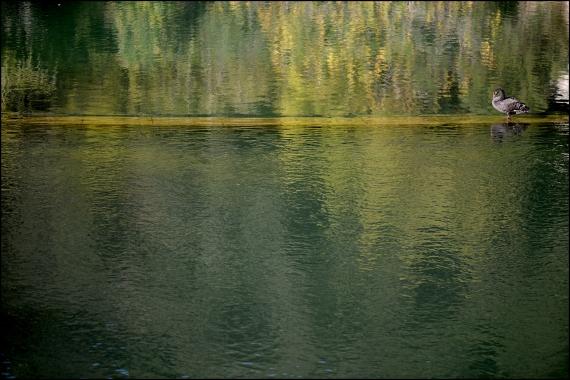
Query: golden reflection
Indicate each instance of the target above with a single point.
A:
(306, 59)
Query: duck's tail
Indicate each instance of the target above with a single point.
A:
(521, 108)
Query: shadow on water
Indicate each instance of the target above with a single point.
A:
(508, 8)
(501, 131)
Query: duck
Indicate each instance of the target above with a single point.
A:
(507, 105)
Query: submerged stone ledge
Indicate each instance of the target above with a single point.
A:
(366, 121)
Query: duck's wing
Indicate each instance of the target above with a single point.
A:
(513, 105)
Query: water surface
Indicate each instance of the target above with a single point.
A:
(282, 58)
(303, 248)
(285, 251)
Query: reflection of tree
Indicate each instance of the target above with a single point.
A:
(300, 58)
(25, 86)
(216, 245)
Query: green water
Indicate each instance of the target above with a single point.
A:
(282, 58)
(393, 251)
(267, 241)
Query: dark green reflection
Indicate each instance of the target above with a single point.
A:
(292, 251)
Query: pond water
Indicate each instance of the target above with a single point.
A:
(282, 58)
(300, 249)
(304, 251)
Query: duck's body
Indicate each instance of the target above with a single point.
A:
(507, 105)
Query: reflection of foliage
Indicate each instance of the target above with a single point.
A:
(25, 86)
(303, 58)
(293, 59)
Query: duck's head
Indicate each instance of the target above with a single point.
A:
(499, 93)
